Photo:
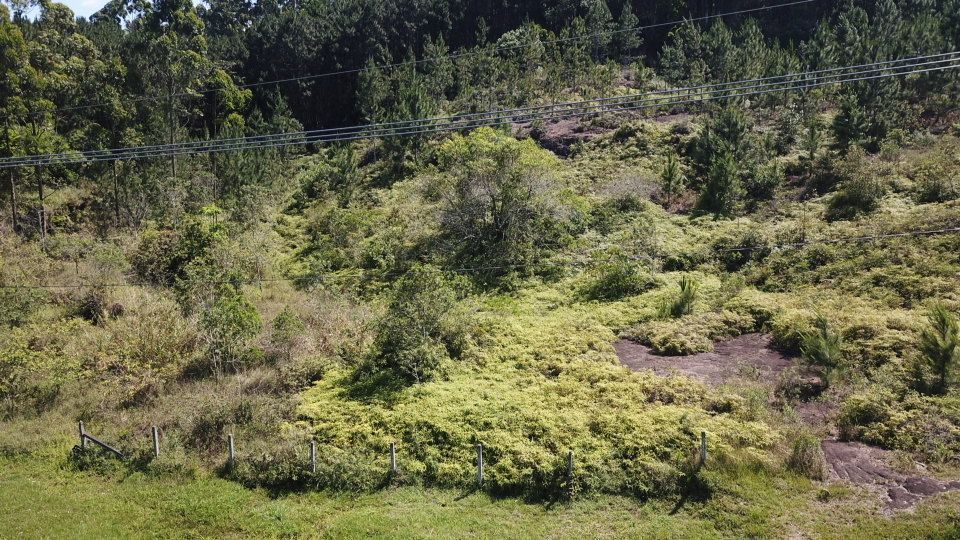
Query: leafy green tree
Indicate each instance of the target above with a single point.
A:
(17, 79)
(499, 210)
(940, 346)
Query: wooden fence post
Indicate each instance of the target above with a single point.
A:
(231, 450)
(703, 448)
(313, 456)
(83, 436)
(480, 466)
(393, 458)
(156, 441)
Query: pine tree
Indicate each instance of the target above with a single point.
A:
(723, 190)
(672, 180)
(851, 125)
(682, 59)
(940, 346)
(599, 23)
(627, 40)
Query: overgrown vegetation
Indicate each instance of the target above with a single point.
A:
(443, 292)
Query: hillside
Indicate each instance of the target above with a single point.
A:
(776, 276)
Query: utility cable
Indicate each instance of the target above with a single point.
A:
(801, 81)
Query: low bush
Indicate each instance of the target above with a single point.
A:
(421, 327)
(927, 427)
(692, 333)
(936, 178)
(616, 276)
(806, 457)
(861, 189)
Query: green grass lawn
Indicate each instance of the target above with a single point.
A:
(42, 496)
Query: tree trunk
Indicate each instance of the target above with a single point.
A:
(13, 200)
(43, 210)
(116, 195)
(170, 115)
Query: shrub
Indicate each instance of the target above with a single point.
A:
(162, 256)
(692, 333)
(822, 344)
(936, 183)
(940, 346)
(91, 305)
(420, 329)
(227, 327)
(806, 457)
(17, 305)
(286, 330)
(737, 248)
(861, 189)
(863, 416)
(500, 210)
(762, 183)
(617, 276)
(683, 303)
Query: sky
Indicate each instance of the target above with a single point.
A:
(84, 8)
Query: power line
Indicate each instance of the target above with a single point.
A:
(464, 117)
(453, 56)
(319, 278)
(729, 90)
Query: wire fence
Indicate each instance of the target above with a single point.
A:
(232, 459)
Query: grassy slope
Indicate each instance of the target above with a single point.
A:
(42, 496)
(533, 333)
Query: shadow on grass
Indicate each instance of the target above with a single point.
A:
(367, 385)
(694, 489)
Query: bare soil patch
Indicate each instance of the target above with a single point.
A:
(559, 136)
(752, 356)
(862, 464)
(749, 354)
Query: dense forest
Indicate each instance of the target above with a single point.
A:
(770, 271)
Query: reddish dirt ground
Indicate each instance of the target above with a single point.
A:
(744, 355)
(558, 136)
(751, 356)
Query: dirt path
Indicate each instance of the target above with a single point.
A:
(751, 356)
